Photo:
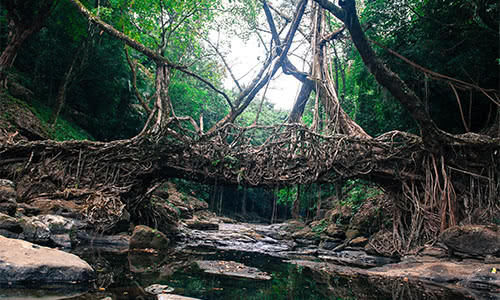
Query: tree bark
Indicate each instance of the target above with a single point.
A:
(301, 101)
(384, 76)
(244, 201)
(296, 205)
(339, 121)
(23, 23)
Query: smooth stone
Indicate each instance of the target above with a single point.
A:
(22, 261)
(475, 240)
(231, 269)
(61, 240)
(156, 289)
(107, 243)
(173, 297)
(202, 225)
(357, 259)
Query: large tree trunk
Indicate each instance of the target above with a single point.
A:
(21, 26)
(427, 207)
(339, 121)
(301, 101)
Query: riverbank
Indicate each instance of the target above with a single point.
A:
(227, 249)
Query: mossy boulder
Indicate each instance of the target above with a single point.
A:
(145, 237)
(474, 240)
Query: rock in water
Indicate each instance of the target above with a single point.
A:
(475, 240)
(174, 297)
(145, 237)
(231, 269)
(156, 289)
(22, 261)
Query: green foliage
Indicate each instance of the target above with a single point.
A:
(191, 188)
(63, 130)
(449, 37)
(287, 195)
(321, 227)
(356, 192)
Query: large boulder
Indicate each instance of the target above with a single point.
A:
(8, 203)
(475, 240)
(145, 237)
(66, 208)
(49, 229)
(10, 224)
(185, 205)
(335, 231)
(35, 230)
(231, 270)
(22, 262)
(339, 215)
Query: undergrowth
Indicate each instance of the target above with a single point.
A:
(62, 131)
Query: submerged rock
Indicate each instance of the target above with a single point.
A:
(231, 269)
(413, 279)
(106, 243)
(22, 261)
(145, 237)
(174, 297)
(156, 289)
(474, 240)
(356, 258)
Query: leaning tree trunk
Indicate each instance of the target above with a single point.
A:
(22, 27)
(462, 173)
(16, 40)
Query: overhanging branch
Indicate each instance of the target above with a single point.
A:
(143, 49)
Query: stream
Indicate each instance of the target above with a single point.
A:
(246, 261)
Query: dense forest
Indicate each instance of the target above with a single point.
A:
(396, 97)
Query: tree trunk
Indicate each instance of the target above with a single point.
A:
(63, 88)
(318, 205)
(244, 201)
(339, 121)
(9, 54)
(392, 82)
(274, 204)
(296, 205)
(22, 27)
(301, 101)
(221, 196)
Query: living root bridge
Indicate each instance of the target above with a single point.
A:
(432, 192)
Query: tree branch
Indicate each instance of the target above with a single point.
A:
(142, 48)
(384, 76)
(225, 64)
(134, 83)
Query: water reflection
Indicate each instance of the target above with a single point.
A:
(123, 276)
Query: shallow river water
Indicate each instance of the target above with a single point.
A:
(127, 275)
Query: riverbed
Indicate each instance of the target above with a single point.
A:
(245, 261)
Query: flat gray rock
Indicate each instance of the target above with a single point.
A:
(231, 269)
(22, 261)
(174, 297)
